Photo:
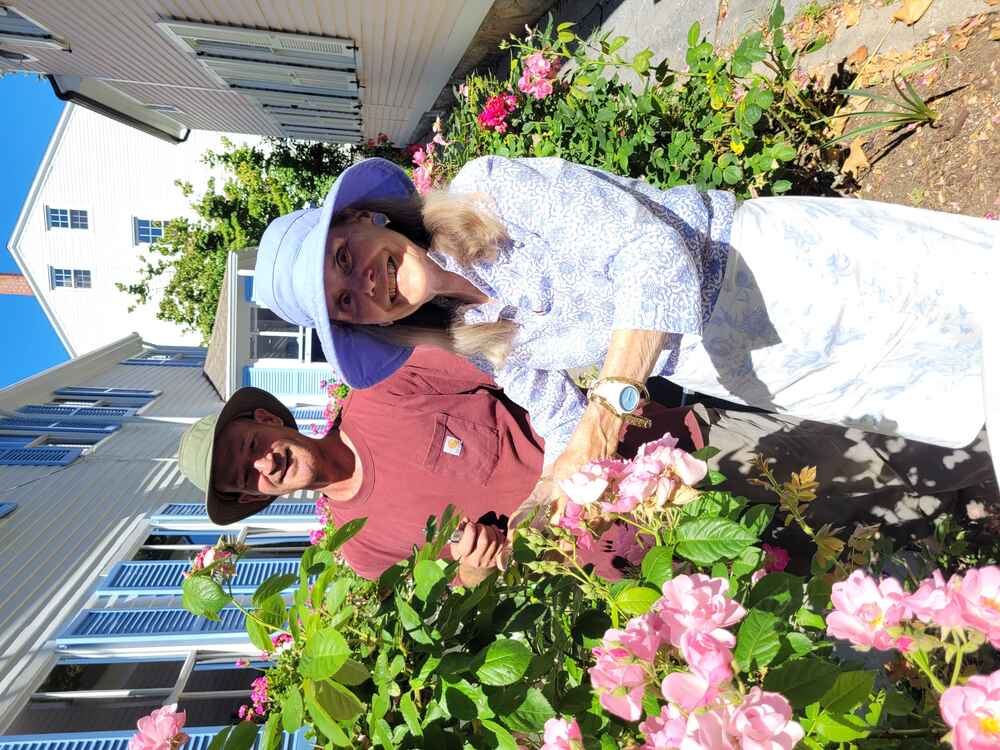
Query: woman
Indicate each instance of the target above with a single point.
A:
(838, 310)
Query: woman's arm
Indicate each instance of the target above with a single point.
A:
(631, 355)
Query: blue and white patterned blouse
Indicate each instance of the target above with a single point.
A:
(589, 252)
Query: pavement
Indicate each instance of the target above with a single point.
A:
(662, 25)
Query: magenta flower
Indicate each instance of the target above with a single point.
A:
(973, 713)
(697, 603)
(979, 596)
(495, 113)
(316, 536)
(161, 730)
(560, 734)
(864, 609)
(937, 601)
(242, 663)
(775, 558)
(764, 722)
(282, 642)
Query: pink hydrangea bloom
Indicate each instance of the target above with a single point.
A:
(775, 558)
(763, 721)
(161, 730)
(560, 734)
(937, 601)
(697, 603)
(282, 641)
(979, 596)
(864, 609)
(242, 663)
(316, 536)
(973, 713)
(666, 731)
(323, 509)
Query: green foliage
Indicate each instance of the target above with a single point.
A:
(260, 184)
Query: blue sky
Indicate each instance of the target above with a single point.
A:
(31, 111)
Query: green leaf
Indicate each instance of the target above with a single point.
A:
(273, 585)
(504, 739)
(592, 623)
(705, 540)
(412, 623)
(781, 186)
(640, 63)
(344, 533)
(749, 560)
(291, 710)
(777, 16)
(817, 44)
(323, 655)
(466, 701)
(316, 700)
(271, 612)
(270, 734)
(840, 727)
(242, 736)
(339, 701)
(783, 151)
(218, 741)
(426, 575)
(898, 703)
(203, 597)
(801, 681)
(658, 566)
(694, 34)
(758, 639)
(410, 716)
(799, 643)
(532, 714)
(758, 518)
(818, 590)
(778, 592)
(336, 594)
(848, 691)
(352, 673)
(565, 37)
(503, 662)
(524, 618)
(708, 451)
(637, 600)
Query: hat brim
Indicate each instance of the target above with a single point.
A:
(225, 508)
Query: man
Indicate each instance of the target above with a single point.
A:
(438, 431)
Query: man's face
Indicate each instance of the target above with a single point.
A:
(261, 457)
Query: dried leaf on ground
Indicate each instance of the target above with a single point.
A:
(995, 32)
(959, 43)
(852, 14)
(856, 159)
(993, 2)
(911, 11)
(857, 57)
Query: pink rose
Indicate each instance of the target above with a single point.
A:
(864, 609)
(973, 713)
(619, 681)
(709, 730)
(709, 657)
(642, 637)
(979, 596)
(775, 558)
(937, 601)
(588, 484)
(697, 603)
(756, 576)
(688, 690)
(161, 730)
(537, 65)
(764, 722)
(562, 735)
(657, 449)
(666, 731)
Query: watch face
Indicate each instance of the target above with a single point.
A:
(628, 399)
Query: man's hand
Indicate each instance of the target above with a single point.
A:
(477, 551)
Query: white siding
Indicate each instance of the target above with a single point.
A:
(117, 174)
(70, 519)
(409, 48)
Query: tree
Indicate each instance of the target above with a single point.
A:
(261, 183)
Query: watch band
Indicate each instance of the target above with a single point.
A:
(595, 394)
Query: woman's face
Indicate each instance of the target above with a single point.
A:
(372, 274)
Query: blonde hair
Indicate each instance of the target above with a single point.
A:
(461, 227)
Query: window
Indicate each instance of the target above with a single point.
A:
(192, 356)
(66, 218)
(69, 277)
(91, 396)
(18, 29)
(147, 230)
(6, 509)
(274, 338)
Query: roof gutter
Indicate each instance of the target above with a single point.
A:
(104, 99)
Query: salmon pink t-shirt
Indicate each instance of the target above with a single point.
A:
(439, 431)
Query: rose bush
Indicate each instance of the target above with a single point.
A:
(655, 620)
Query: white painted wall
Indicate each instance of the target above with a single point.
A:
(116, 173)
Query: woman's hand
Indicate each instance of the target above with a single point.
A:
(595, 437)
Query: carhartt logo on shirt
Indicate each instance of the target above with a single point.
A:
(452, 445)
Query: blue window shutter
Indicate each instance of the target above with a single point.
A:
(307, 413)
(101, 412)
(200, 739)
(41, 456)
(50, 426)
(15, 441)
(6, 509)
(129, 397)
(248, 288)
(287, 381)
(164, 577)
(173, 513)
(94, 627)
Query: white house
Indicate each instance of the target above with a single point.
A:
(318, 69)
(101, 194)
(96, 528)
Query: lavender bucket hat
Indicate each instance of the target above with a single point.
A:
(288, 277)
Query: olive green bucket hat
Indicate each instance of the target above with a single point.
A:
(198, 445)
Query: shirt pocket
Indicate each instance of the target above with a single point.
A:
(463, 449)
